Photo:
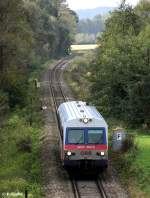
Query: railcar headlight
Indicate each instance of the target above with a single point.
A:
(102, 153)
(85, 120)
(69, 153)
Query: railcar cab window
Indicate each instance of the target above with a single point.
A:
(76, 136)
(95, 136)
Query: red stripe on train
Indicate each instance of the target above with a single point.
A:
(85, 147)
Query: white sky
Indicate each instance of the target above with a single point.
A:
(85, 4)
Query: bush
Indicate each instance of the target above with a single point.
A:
(129, 143)
(25, 145)
(20, 165)
(17, 95)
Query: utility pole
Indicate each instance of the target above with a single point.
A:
(148, 56)
(26, 194)
(1, 58)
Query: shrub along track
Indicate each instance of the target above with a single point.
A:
(56, 180)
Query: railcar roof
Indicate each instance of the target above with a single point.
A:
(78, 110)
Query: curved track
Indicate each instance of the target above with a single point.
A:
(55, 85)
(81, 188)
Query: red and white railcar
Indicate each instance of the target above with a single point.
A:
(84, 139)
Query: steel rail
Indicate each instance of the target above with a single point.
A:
(101, 188)
(57, 76)
(52, 83)
(76, 189)
(52, 80)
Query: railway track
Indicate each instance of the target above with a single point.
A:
(55, 85)
(88, 188)
(81, 188)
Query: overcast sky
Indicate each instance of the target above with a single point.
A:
(84, 4)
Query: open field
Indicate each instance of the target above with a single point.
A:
(83, 47)
(142, 163)
(143, 157)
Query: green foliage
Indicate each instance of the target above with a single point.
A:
(120, 77)
(91, 26)
(142, 10)
(19, 140)
(3, 101)
(134, 164)
(10, 185)
(89, 29)
(141, 167)
(17, 95)
(31, 32)
(79, 67)
(129, 144)
(19, 147)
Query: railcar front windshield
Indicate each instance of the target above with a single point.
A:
(95, 136)
(76, 136)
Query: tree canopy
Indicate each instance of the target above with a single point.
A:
(31, 31)
(121, 74)
(89, 29)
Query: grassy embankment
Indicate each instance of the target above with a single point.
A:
(20, 168)
(133, 166)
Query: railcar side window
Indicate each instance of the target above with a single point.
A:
(95, 136)
(76, 136)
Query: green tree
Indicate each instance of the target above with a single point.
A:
(142, 10)
(120, 80)
(31, 31)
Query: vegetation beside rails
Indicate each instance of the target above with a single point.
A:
(20, 153)
(133, 164)
(33, 32)
(20, 168)
(134, 168)
(77, 72)
(20, 161)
